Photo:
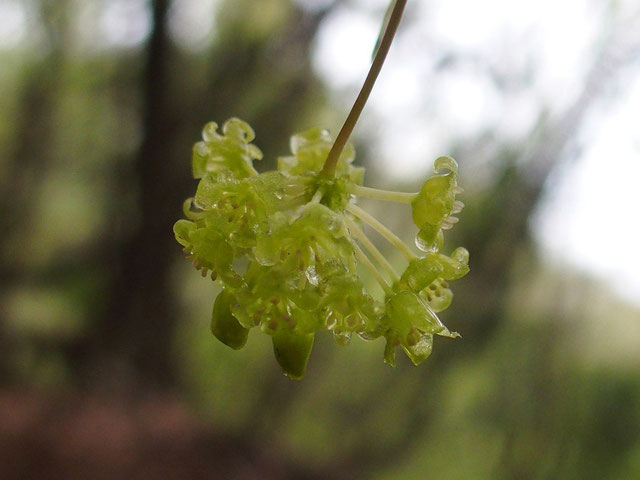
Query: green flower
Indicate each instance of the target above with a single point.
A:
(435, 205)
(230, 151)
(288, 249)
(310, 149)
(411, 324)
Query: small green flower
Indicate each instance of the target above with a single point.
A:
(435, 205)
(286, 247)
(230, 151)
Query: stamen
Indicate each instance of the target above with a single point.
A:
(372, 269)
(388, 195)
(362, 237)
(317, 196)
(381, 229)
(457, 207)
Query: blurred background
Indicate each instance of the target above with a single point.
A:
(107, 366)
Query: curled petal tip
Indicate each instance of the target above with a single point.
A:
(445, 162)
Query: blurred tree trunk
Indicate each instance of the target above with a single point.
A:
(133, 339)
(133, 336)
(31, 154)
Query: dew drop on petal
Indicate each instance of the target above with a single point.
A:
(342, 338)
(312, 276)
(424, 246)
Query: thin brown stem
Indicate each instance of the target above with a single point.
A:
(345, 132)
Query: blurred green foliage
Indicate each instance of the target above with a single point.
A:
(94, 161)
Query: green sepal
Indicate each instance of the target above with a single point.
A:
(456, 266)
(390, 350)
(406, 311)
(429, 238)
(347, 307)
(418, 347)
(233, 208)
(310, 149)
(434, 201)
(445, 162)
(181, 230)
(292, 351)
(419, 351)
(426, 276)
(461, 254)
(224, 325)
(412, 324)
(420, 273)
(208, 250)
(279, 191)
(316, 236)
(434, 204)
(274, 301)
(229, 151)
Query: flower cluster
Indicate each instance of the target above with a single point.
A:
(285, 246)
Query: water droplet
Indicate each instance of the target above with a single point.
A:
(330, 320)
(461, 255)
(312, 275)
(342, 338)
(422, 245)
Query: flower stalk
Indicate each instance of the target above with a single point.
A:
(373, 222)
(388, 195)
(381, 54)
